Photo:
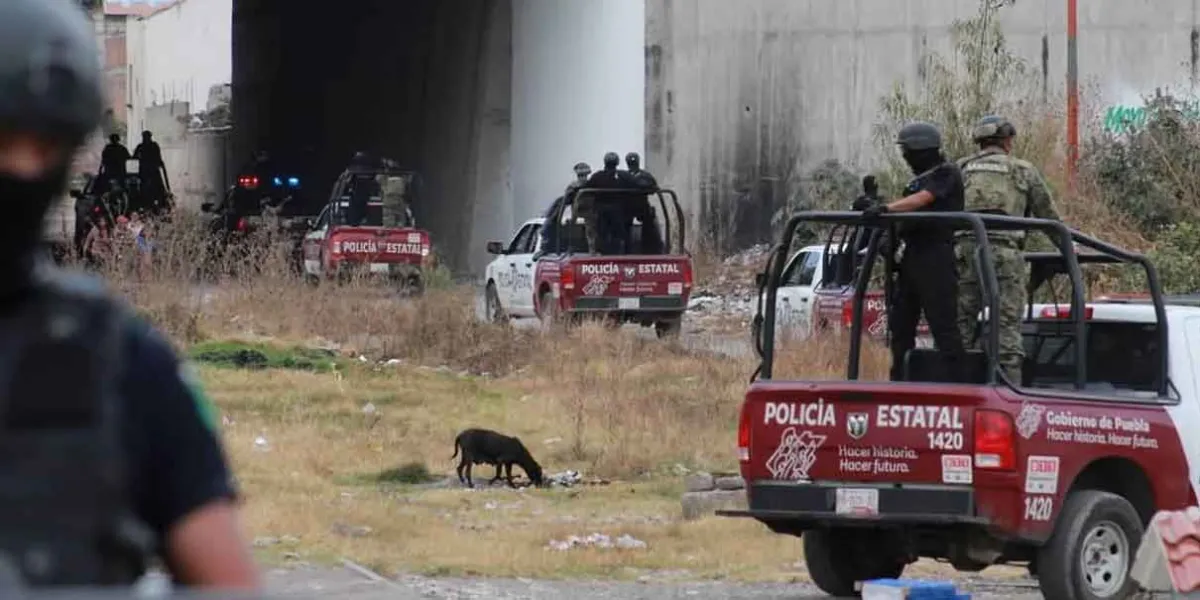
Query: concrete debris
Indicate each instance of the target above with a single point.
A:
(699, 482)
(732, 482)
(696, 505)
(597, 540)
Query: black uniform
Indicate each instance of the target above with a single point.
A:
(927, 281)
(107, 445)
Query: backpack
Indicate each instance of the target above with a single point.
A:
(65, 518)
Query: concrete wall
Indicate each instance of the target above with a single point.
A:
(178, 54)
(199, 165)
(578, 92)
(744, 97)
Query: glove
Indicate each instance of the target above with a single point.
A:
(873, 212)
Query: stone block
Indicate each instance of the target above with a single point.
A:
(733, 482)
(697, 505)
(699, 482)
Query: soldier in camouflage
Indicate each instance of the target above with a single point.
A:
(392, 188)
(998, 183)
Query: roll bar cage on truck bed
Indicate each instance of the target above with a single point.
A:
(1043, 266)
(668, 205)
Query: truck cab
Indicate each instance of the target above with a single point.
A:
(1060, 471)
(509, 288)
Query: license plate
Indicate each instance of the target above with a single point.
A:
(857, 502)
(629, 303)
(381, 268)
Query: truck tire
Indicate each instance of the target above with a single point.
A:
(548, 310)
(493, 311)
(837, 559)
(668, 329)
(1092, 548)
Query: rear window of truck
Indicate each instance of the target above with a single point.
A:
(1122, 357)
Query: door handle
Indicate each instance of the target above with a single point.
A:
(804, 300)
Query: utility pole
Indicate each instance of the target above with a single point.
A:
(1072, 95)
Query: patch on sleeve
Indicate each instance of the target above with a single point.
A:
(204, 405)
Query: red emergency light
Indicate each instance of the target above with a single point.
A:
(248, 182)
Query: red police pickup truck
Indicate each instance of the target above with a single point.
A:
(649, 284)
(1060, 471)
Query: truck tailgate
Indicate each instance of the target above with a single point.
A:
(379, 244)
(632, 276)
(862, 432)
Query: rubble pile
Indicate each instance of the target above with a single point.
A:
(597, 540)
(728, 299)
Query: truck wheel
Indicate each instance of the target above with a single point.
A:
(549, 310)
(493, 312)
(1089, 555)
(669, 329)
(837, 559)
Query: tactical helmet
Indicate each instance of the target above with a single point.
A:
(611, 160)
(632, 159)
(919, 136)
(582, 167)
(993, 127)
(50, 79)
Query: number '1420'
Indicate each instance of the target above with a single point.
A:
(945, 440)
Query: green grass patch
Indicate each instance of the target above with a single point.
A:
(242, 355)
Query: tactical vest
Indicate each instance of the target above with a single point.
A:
(991, 186)
(65, 515)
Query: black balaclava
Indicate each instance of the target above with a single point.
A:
(611, 161)
(27, 201)
(633, 162)
(923, 160)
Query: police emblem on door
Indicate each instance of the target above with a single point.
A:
(630, 272)
(856, 425)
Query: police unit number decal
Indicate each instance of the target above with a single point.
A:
(1038, 508)
(945, 440)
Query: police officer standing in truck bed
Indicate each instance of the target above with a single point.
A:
(122, 458)
(927, 279)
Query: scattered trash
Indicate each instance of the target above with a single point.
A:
(391, 362)
(261, 444)
(552, 441)
(369, 409)
(565, 479)
(597, 540)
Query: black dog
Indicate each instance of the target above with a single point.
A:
(481, 446)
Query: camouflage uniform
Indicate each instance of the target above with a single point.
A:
(997, 183)
(395, 209)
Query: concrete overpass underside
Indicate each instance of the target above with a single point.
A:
(426, 82)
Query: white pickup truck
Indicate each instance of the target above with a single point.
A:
(509, 290)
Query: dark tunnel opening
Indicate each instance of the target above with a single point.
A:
(398, 78)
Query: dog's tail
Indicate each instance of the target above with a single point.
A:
(455, 449)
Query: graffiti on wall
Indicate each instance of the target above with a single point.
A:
(1121, 118)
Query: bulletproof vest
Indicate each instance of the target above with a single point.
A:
(65, 518)
(991, 186)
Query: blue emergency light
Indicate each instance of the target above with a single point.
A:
(294, 181)
(278, 181)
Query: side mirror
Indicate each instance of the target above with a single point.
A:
(206, 207)
(495, 247)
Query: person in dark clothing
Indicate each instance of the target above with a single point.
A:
(640, 176)
(638, 206)
(151, 169)
(597, 210)
(113, 158)
(870, 195)
(124, 456)
(928, 280)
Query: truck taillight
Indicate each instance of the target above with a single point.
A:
(847, 313)
(995, 440)
(568, 277)
(1063, 312)
(687, 275)
(241, 225)
(744, 433)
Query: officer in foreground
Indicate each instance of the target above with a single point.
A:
(998, 183)
(122, 457)
(927, 279)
